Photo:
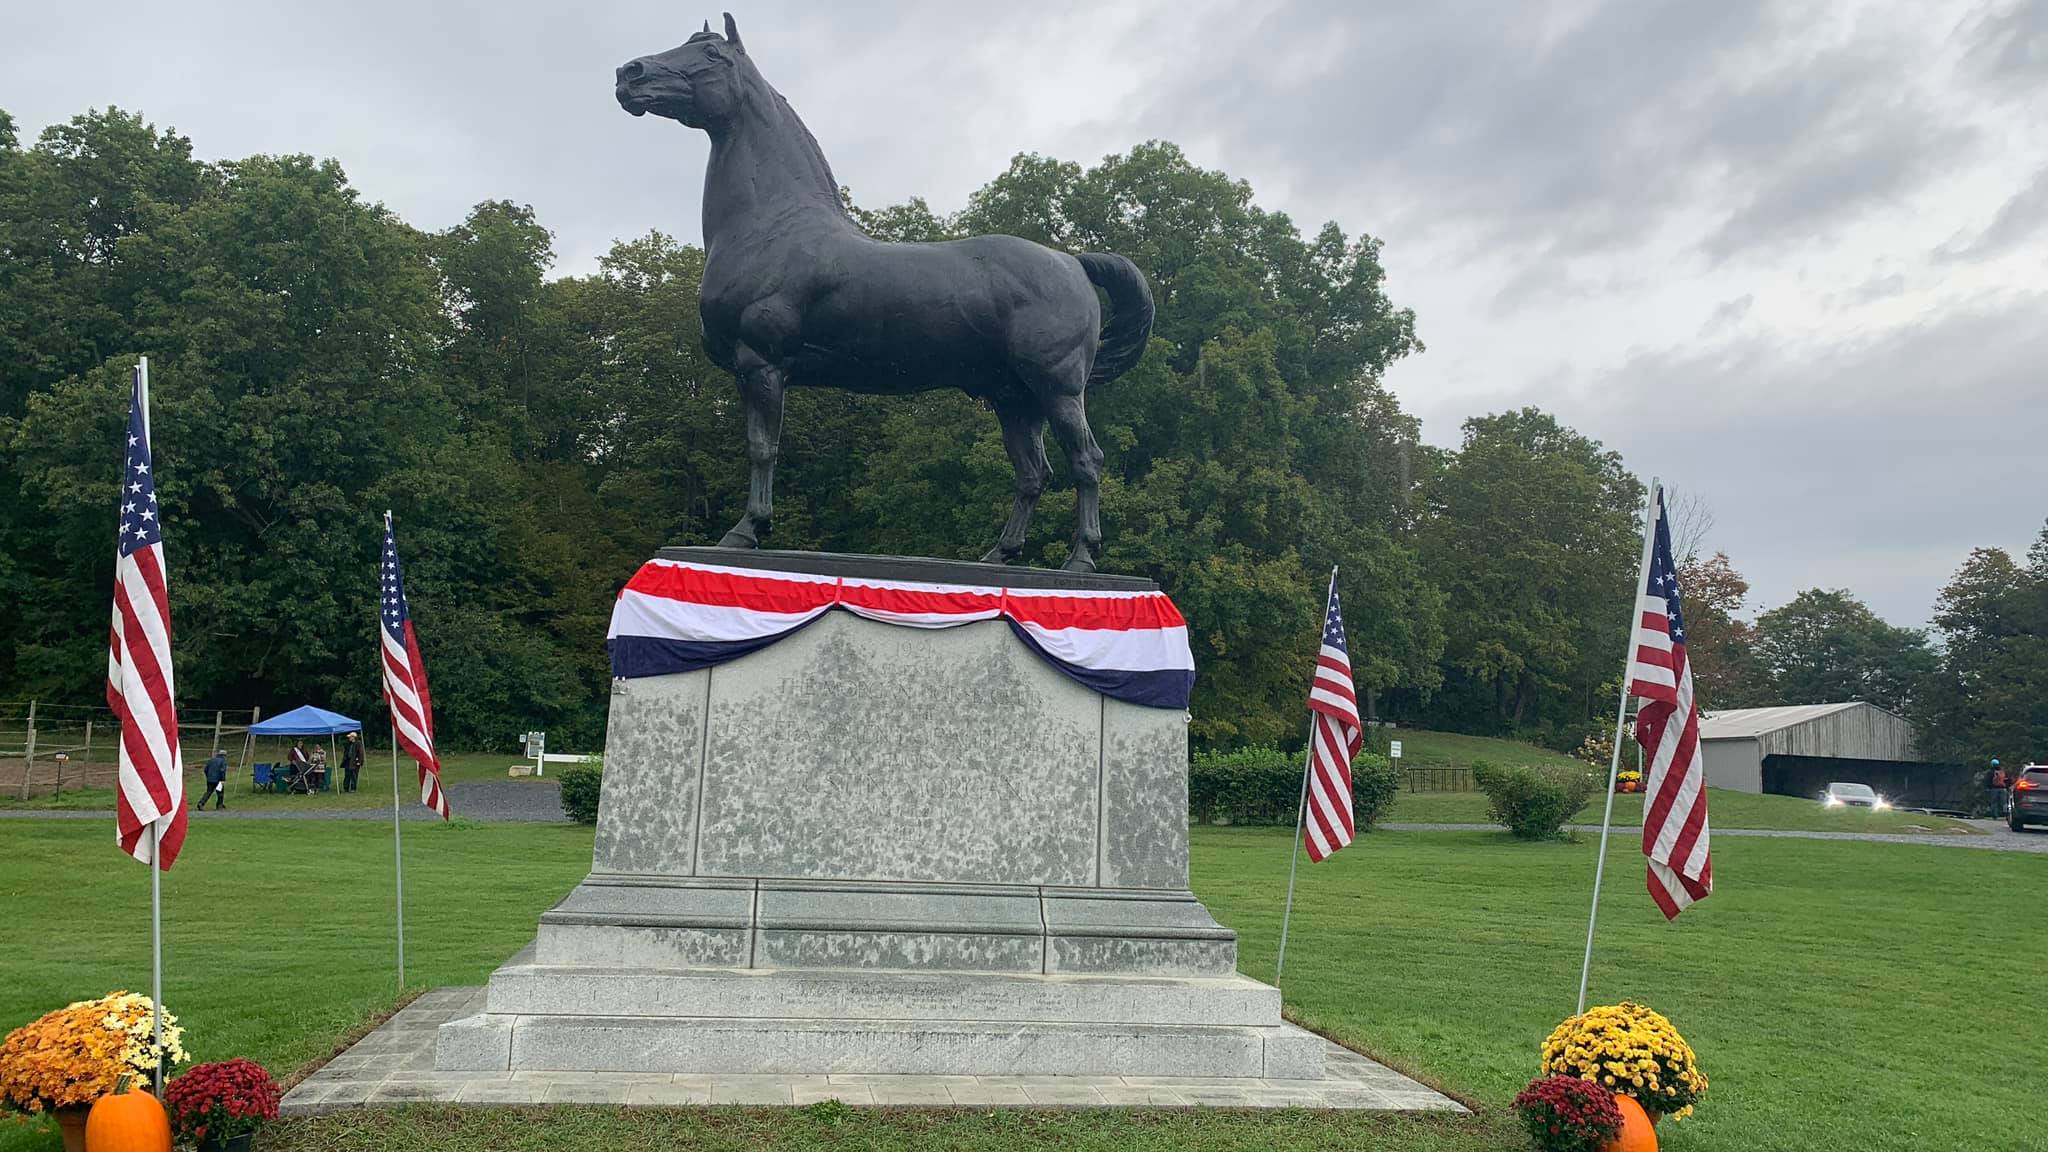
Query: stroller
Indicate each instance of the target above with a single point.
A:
(298, 779)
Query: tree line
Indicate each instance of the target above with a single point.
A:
(316, 360)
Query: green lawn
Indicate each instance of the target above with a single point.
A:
(732, 1129)
(373, 784)
(1839, 994)
(1420, 749)
(1726, 809)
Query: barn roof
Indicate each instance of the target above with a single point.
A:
(1746, 723)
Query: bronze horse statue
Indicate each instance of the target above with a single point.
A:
(796, 295)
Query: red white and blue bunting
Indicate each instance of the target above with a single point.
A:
(675, 616)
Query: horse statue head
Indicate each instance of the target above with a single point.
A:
(702, 83)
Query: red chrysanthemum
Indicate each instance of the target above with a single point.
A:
(222, 1100)
(1566, 1114)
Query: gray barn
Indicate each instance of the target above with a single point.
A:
(1797, 750)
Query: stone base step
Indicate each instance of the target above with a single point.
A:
(535, 990)
(634, 921)
(493, 1042)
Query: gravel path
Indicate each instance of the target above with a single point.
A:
(1996, 835)
(493, 801)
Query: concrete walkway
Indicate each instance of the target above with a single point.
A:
(1996, 835)
(395, 1065)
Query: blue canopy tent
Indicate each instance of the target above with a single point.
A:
(307, 720)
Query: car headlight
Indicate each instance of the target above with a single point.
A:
(1881, 805)
(1831, 802)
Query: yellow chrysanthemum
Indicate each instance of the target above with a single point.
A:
(1631, 1047)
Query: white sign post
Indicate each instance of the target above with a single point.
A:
(1394, 749)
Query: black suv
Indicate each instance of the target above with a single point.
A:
(2029, 798)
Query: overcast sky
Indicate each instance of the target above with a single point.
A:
(1788, 256)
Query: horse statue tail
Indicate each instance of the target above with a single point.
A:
(1130, 313)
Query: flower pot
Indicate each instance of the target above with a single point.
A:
(71, 1122)
(232, 1144)
(1638, 1128)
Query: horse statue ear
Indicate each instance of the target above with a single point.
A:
(732, 34)
(707, 27)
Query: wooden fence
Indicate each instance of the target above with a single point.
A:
(47, 749)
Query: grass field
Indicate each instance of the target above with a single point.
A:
(1420, 749)
(1840, 995)
(373, 785)
(1726, 809)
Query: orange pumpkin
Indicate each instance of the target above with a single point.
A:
(131, 1121)
(1637, 1133)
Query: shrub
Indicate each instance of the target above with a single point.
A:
(1596, 751)
(581, 785)
(1534, 803)
(1374, 784)
(1566, 1114)
(1263, 786)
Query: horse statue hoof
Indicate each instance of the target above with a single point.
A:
(997, 555)
(1078, 564)
(738, 539)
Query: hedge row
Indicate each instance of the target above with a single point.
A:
(1248, 786)
(1263, 786)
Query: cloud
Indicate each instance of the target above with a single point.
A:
(2019, 220)
(2007, 46)
(1873, 462)
(1728, 315)
(1575, 130)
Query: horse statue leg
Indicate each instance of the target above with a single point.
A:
(1069, 415)
(761, 388)
(1023, 437)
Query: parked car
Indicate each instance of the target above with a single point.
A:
(1842, 794)
(2029, 798)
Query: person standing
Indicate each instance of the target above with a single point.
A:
(351, 761)
(1995, 784)
(216, 781)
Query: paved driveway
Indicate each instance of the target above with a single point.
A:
(1996, 835)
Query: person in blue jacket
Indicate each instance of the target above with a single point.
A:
(216, 781)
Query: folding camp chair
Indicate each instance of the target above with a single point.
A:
(262, 779)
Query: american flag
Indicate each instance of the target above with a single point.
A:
(1334, 738)
(405, 678)
(139, 689)
(1668, 728)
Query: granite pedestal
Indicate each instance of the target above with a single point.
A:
(870, 848)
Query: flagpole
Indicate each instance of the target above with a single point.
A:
(397, 837)
(1635, 613)
(156, 945)
(156, 840)
(1300, 820)
(398, 857)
